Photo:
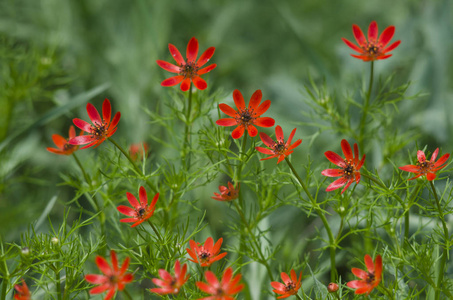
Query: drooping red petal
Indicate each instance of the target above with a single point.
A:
(56, 151)
(199, 83)
(207, 69)
(228, 110)
(359, 36)
(226, 122)
(386, 36)
(192, 50)
(168, 66)
(206, 56)
(172, 80)
(185, 85)
(100, 289)
(350, 181)
(265, 122)
(372, 32)
(352, 46)
(238, 100)
(176, 54)
(93, 114)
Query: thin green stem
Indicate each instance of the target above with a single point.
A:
(137, 169)
(5, 279)
(156, 231)
(127, 294)
(187, 130)
(58, 283)
(239, 168)
(366, 106)
(440, 275)
(298, 297)
(332, 243)
(87, 179)
(406, 214)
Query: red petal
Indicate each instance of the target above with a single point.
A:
(336, 184)
(279, 133)
(359, 273)
(359, 36)
(350, 181)
(431, 176)
(85, 126)
(442, 160)
(265, 122)
(227, 276)
(369, 263)
(386, 36)
(176, 54)
(356, 284)
(226, 122)
(81, 140)
(168, 66)
(172, 80)
(238, 100)
(352, 46)
(96, 279)
(56, 151)
(192, 50)
(265, 151)
(296, 144)
(392, 46)
(378, 267)
(206, 56)
(334, 158)
(211, 279)
(132, 200)
(434, 155)
(207, 69)
(185, 85)
(266, 139)
(332, 172)
(290, 138)
(116, 119)
(103, 265)
(421, 156)
(252, 130)
(255, 100)
(238, 132)
(372, 32)
(59, 141)
(227, 110)
(199, 83)
(347, 151)
(93, 114)
(99, 289)
(126, 210)
(263, 108)
(410, 168)
(72, 132)
(106, 112)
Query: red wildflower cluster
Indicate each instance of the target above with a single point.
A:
(425, 167)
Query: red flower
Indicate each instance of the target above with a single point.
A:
(207, 254)
(170, 284)
(279, 148)
(22, 292)
(101, 128)
(226, 193)
(223, 290)
(289, 287)
(63, 146)
(427, 168)
(113, 278)
(368, 280)
(374, 48)
(188, 69)
(246, 117)
(136, 151)
(350, 167)
(141, 211)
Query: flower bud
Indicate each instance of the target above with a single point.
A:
(54, 240)
(332, 287)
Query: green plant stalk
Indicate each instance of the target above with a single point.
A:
(5, 280)
(298, 297)
(87, 179)
(406, 215)
(187, 130)
(332, 243)
(137, 169)
(58, 282)
(128, 296)
(239, 168)
(366, 106)
(440, 276)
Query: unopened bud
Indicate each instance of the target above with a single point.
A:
(25, 251)
(54, 240)
(332, 287)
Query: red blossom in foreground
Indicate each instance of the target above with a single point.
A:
(350, 167)
(278, 148)
(375, 48)
(63, 146)
(246, 117)
(368, 280)
(223, 290)
(113, 279)
(141, 211)
(207, 254)
(290, 285)
(171, 284)
(101, 128)
(226, 193)
(22, 292)
(425, 167)
(136, 151)
(189, 69)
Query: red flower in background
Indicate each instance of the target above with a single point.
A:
(223, 290)
(246, 117)
(207, 254)
(171, 284)
(226, 193)
(375, 48)
(425, 167)
(350, 167)
(22, 292)
(368, 280)
(141, 211)
(279, 148)
(136, 151)
(289, 287)
(101, 128)
(113, 278)
(63, 146)
(189, 69)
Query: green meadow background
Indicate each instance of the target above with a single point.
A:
(56, 55)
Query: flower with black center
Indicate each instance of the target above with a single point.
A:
(374, 48)
(63, 146)
(221, 290)
(245, 118)
(425, 167)
(101, 128)
(189, 69)
(368, 279)
(350, 167)
(279, 148)
(22, 292)
(113, 279)
(290, 285)
(141, 211)
(171, 284)
(207, 254)
(226, 193)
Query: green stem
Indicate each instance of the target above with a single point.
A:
(127, 294)
(5, 279)
(137, 169)
(298, 297)
(440, 276)
(239, 169)
(332, 244)
(406, 214)
(156, 231)
(58, 282)
(187, 130)
(366, 106)
(87, 179)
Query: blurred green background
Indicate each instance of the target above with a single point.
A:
(61, 54)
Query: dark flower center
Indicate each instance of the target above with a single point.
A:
(189, 70)
(98, 130)
(348, 169)
(245, 116)
(67, 147)
(141, 212)
(279, 147)
(370, 277)
(290, 286)
(372, 49)
(204, 255)
(113, 279)
(425, 166)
